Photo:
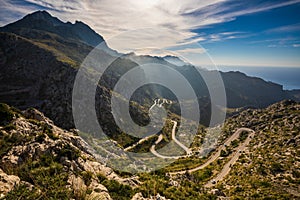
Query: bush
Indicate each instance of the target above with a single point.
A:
(234, 143)
(6, 115)
(87, 177)
(22, 191)
(46, 175)
(68, 151)
(204, 174)
(223, 153)
(117, 190)
(276, 168)
(243, 135)
(9, 127)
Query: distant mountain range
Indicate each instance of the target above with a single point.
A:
(40, 56)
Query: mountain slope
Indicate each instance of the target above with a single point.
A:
(35, 153)
(270, 166)
(34, 76)
(39, 160)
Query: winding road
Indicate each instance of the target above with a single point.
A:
(153, 151)
(227, 167)
(156, 102)
(139, 142)
(235, 157)
(160, 102)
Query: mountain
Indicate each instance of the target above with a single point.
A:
(40, 57)
(269, 168)
(41, 25)
(43, 21)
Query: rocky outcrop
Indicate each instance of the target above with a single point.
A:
(32, 140)
(7, 183)
(139, 196)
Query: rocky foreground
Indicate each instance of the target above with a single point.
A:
(41, 160)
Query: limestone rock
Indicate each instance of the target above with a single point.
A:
(98, 196)
(7, 182)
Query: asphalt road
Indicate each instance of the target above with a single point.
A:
(160, 102)
(153, 151)
(215, 156)
(226, 169)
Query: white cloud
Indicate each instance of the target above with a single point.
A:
(134, 24)
(288, 28)
(272, 46)
(191, 50)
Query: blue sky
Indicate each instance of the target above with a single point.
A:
(228, 32)
(264, 38)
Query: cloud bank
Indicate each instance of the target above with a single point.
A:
(134, 24)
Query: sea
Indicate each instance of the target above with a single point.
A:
(288, 77)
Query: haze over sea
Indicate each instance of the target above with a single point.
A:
(289, 77)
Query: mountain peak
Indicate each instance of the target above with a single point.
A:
(44, 16)
(43, 21)
(40, 13)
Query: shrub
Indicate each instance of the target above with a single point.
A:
(223, 153)
(46, 175)
(6, 115)
(117, 190)
(22, 191)
(68, 151)
(9, 127)
(87, 177)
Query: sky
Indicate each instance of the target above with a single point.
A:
(221, 32)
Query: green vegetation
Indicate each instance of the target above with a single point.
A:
(234, 143)
(68, 151)
(188, 186)
(265, 171)
(268, 169)
(46, 175)
(116, 189)
(224, 153)
(7, 114)
(243, 136)
(87, 177)
(8, 141)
